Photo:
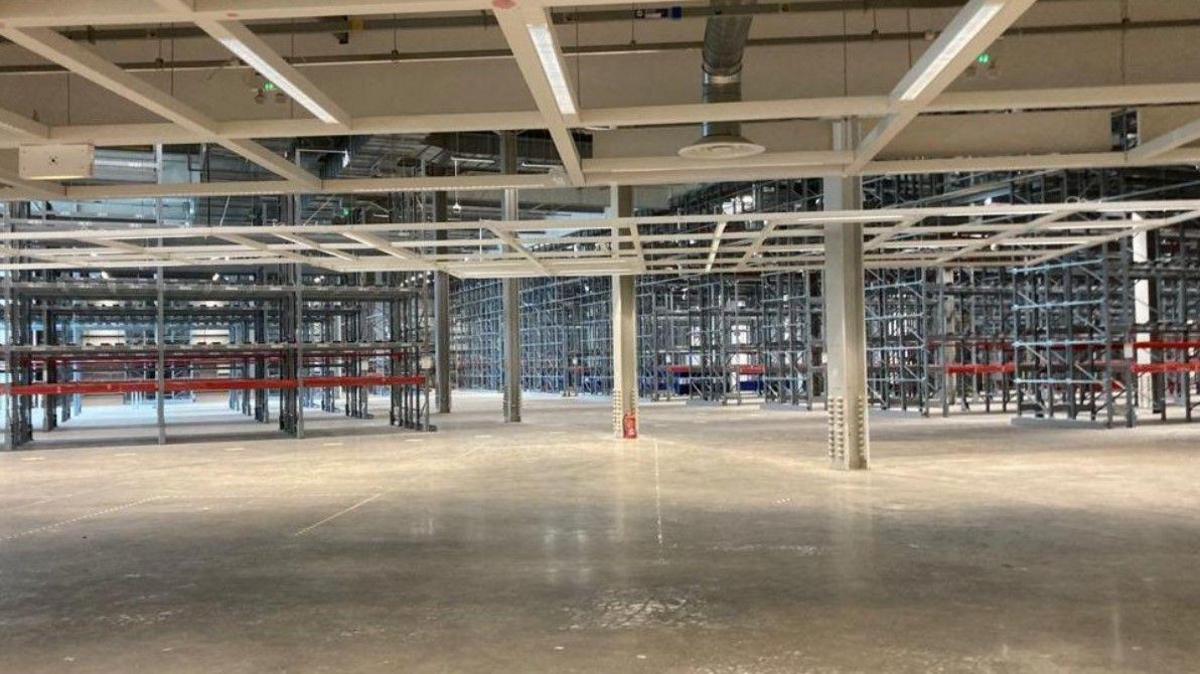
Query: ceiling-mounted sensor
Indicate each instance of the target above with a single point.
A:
(56, 162)
(721, 146)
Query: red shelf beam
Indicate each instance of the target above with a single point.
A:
(185, 385)
(1163, 368)
(969, 368)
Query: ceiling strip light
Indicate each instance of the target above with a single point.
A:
(252, 59)
(970, 30)
(543, 43)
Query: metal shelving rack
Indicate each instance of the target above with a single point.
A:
(724, 321)
(476, 335)
(1070, 318)
(792, 339)
(544, 327)
(1111, 331)
(898, 329)
(972, 339)
(1167, 311)
(312, 343)
(664, 338)
(591, 353)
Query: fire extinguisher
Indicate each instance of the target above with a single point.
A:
(630, 427)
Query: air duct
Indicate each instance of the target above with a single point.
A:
(724, 43)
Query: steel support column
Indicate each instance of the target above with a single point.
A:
(160, 349)
(624, 334)
(624, 354)
(298, 281)
(846, 338)
(49, 402)
(441, 314)
(511, 294)
(10, 331)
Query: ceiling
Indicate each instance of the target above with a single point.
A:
(904, 71)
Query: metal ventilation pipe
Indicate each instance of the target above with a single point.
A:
(724, 43)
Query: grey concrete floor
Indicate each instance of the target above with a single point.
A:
(720, 542)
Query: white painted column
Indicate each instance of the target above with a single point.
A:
(624, 337)
(845, 318)
(511, 293)
(624, 332)
(1141, 313)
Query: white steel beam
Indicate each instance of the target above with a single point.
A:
(45, 13)
(80, 60)
(1156, 147)
(511, 241)
(10, 174)
(756, 246)
(530, 35)
(1031, 226)
(256, 53)
(890, 233)
(784, 222)
(807, 158)
(869, 106)
(384, 246)
(246, 241)
(313, 245)
(715, 246)
(23, 128)
(1138, 228)
(976, 26)
(264, 187)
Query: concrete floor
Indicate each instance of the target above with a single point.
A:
(720, 542)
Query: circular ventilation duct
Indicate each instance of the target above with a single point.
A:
(724, 43)
(721, 146)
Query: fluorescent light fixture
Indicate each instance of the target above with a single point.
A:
(543, 42)
(254, 60)
(957, 42)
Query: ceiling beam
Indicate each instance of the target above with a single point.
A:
(468, 183)
(45, 13)
(970, 32)
(756, 246)
(256, 53)
(890, 233)
(22, 127)
(80, 60)
(1031, 226)
(511, 241)
(1021, 241)
(1138, 228)
(252, 244)
(10, 174)
(596, 167)
(384, 246)
(793, 224)
(1156, 147)
(530, 34)
(638, 116)
(714, 246)
(313, 245)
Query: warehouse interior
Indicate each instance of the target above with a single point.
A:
(535, 335)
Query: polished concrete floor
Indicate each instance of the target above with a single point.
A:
(720, 542)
